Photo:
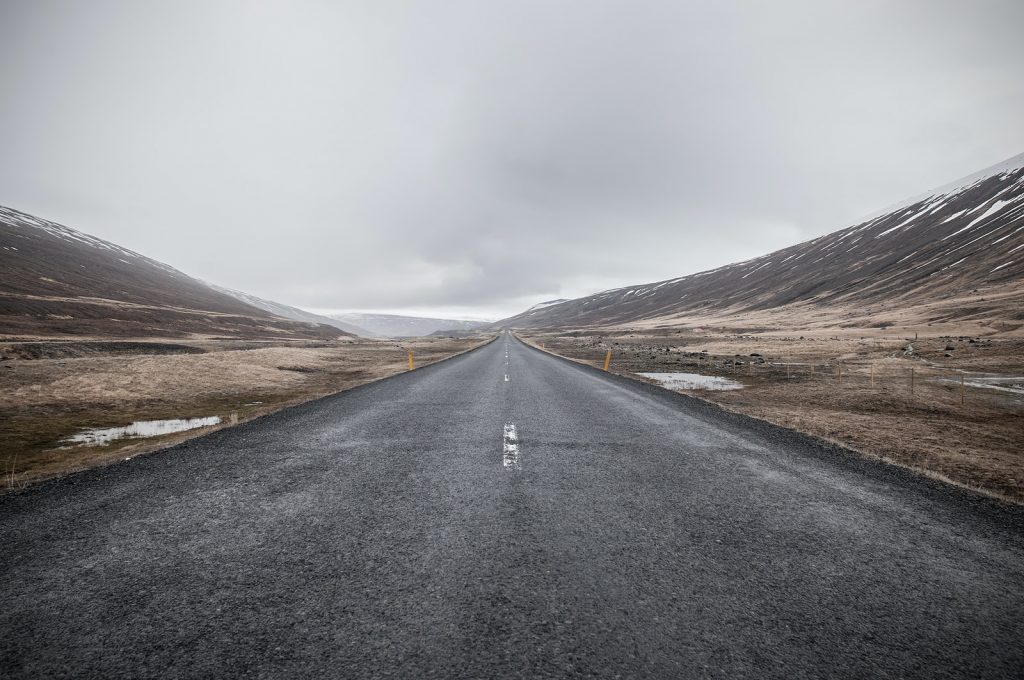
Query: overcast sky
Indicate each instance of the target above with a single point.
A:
(474, 158)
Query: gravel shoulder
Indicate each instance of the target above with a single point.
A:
(886, 397)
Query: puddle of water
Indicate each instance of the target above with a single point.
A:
(693, 381)
(1002, 383)
(140, 429)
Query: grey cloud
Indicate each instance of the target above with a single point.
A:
(481, 156)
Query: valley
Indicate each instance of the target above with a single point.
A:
(512, 340)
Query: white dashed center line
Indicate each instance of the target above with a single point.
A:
(510, 457)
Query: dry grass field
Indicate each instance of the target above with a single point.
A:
(891, 397)
(51, 390)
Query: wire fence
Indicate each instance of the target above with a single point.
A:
(890, 374)
(887, 374)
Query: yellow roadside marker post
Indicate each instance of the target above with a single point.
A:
(607, 359)
(411, 366)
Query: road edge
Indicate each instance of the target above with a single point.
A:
(6, 492)
(827, 449)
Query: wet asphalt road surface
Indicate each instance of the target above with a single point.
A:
(560, 522)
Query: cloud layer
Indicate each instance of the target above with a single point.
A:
(478, 157)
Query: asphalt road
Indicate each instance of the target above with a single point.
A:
(450, 522)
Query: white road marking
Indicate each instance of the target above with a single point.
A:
(510, 457)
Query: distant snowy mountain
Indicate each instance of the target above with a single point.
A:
(397, 326)
(289, 312)
(937, 249)
(60, 281)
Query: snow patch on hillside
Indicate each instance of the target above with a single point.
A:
(1010, 165)
(23, 221)
(541, 305)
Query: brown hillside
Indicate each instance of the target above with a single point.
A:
(59, 281)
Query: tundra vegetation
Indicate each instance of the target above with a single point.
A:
(51, 390)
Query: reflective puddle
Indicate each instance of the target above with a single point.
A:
(140, 429)
(693, 381)
(1002, 383)
(1013, 384)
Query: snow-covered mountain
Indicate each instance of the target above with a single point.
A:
(397, 326)
(958, 249)
(60, 281)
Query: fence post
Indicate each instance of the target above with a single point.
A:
(962, 389)
(872, 375)
(911, 380)
(840, 367)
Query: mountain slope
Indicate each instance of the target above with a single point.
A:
(397, 326)
(956, 252)
(60, 281)
(289, 312)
